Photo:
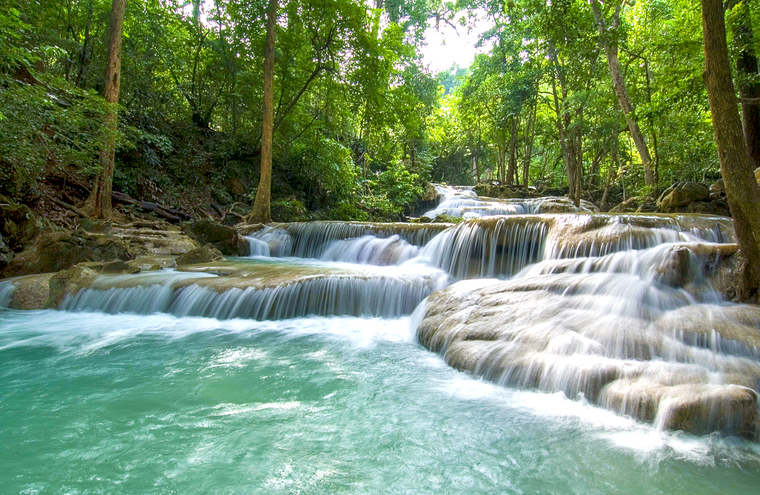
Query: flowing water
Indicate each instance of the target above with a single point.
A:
(243, 377)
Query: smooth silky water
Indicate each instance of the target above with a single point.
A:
(161, 399)
(94, 403)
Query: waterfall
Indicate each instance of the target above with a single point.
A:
(7, 288)
(270, 241)
(371, 250)
(462, 202)
(310, 240)
(390, 293)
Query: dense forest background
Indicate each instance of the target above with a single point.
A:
(361, 124)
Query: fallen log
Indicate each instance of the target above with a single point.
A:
(171, 214)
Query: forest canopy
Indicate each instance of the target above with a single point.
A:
(360, 123)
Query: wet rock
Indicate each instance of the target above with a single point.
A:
(224, 238)
(205, 254)
(69, 282)
(682, 194)
(610, 338)
(32, 292)
(116, 267)
(152, 263)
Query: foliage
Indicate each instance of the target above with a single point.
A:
(360, 123)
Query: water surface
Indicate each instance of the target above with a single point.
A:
(94, 403)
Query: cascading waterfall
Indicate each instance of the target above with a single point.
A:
(638, 331)
(310, 240)
(388, 294)
(463, 202)
(617, 309)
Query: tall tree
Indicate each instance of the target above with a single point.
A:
(618, 85)
(261, 212)
(98, 205)
(747, 73)
(742, 190)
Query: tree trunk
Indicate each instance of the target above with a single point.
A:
(98, 205)
(742, 192)
(613, 167)
(529, 144)
(261, 212)
(567, 155)
(747, 68)
(512, 168)
(618, 85)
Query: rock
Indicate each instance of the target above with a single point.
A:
(682, 194)
(56, 251)
(712, 207)
(6, 255)
(32, 292)
(152, 263)
(18, 225)
(635, 204)
(757, 175)
(69, 282)
(560, 333)
(205, 254)
(237, 187)
(224, 238)
(115, 267)
(717, 190)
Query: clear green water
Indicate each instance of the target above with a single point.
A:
(92, 403)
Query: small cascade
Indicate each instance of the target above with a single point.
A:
(370, 250)
(598, 235)
(484, 248)
(461, 202)
(502, 246)
(312, 239)
(7, 288)
(270, 241)
(264, 292)
(258, 247)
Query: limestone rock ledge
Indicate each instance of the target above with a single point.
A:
(638, 349)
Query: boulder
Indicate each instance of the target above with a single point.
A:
(56, 251)
(682, 194)
(18, 225)
(712, 207)
(635, 204)
(69, 282)
(32, 292)
(717, 190)
(224, 238)
(205, 254)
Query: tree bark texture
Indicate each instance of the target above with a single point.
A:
(99, 205)
(618, 86)
(261, 212)
(746, 68)
(742, 191)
